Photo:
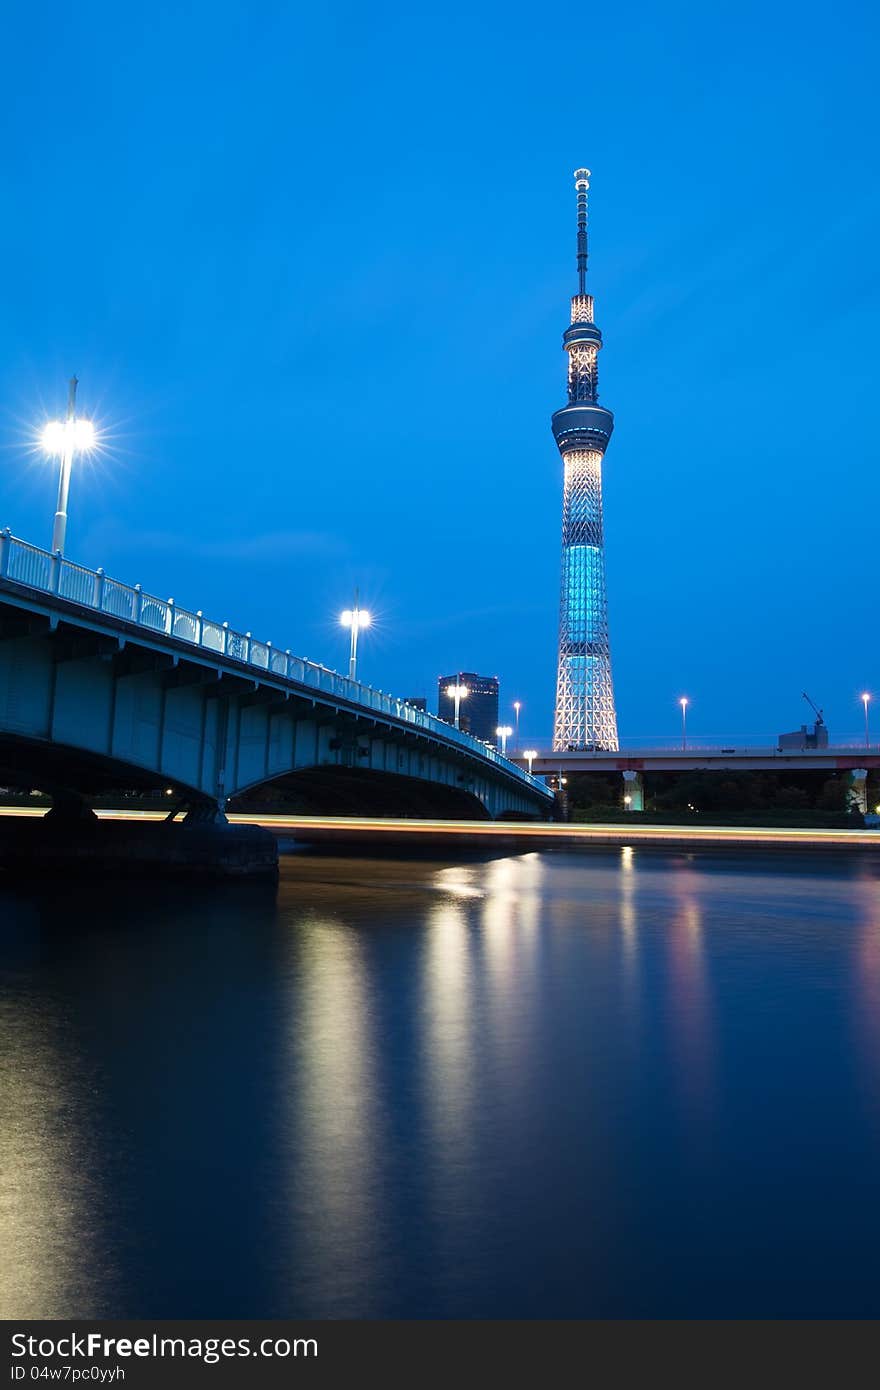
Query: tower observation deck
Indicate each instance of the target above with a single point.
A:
(585, 717)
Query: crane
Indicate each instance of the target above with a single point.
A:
(818, 713)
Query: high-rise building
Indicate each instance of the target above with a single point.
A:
(585, 716)
(478, 711)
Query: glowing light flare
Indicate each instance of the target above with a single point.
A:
(75, 436)
(53, 437)
(457, 692)
(355, 617)
(84, 436)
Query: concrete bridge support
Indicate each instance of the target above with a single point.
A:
(858, 789)
(633, 791)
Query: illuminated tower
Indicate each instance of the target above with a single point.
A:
(585, 716)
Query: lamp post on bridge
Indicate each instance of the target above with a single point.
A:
(865, 699)
(530, 755)
(504, 731)
(354, 618)
(517, 706)
(684, 704)
(65, 438)
(457, 692)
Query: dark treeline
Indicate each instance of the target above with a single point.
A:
(786, 795)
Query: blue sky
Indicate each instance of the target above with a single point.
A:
(312, 267)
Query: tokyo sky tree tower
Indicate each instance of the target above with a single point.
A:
(585, 716)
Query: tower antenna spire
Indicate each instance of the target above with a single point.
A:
(582, 184)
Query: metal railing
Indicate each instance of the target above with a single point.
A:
(33, 568)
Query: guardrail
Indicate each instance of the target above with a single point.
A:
(48, 573)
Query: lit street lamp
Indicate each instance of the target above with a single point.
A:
(684, 704)
(865, 698)
(65, 438)
(517, 706)
(504, 731)
(457, 693)
(530, 755)
(354, 619)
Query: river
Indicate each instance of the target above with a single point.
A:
(619, 1083)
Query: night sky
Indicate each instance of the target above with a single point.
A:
(312, 266)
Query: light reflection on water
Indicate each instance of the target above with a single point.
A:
(542, 1085)
(48, 1198)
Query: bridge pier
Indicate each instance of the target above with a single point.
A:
(206, 813)
(633, 791)
(858, 789)
(89, 847)
(69, 808)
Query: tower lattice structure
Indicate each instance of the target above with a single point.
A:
(585, 716)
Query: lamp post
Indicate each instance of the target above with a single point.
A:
(865, 698)
(517, 706)
(530, 755)
(65, 438)
(457, 692)
(504, 731)
(354, 619)
(684, 704)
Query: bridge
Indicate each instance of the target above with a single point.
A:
(103, 687)
(857, 760)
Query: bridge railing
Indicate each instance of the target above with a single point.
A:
(50, 573)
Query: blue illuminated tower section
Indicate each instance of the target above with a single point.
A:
(585, 716)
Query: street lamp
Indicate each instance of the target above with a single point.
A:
(517, 706)
(457, 693)
(684, 704)
(865, 698)
(354, 619)
(64, 438)
(504, 731)
(530, 755)
(628, 801)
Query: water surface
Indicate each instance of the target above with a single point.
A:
(621, 1083)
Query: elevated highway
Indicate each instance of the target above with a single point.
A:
(707, 759)
(857, 760)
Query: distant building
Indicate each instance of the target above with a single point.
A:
(417, 701)
(804, 738)
(478, 714)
